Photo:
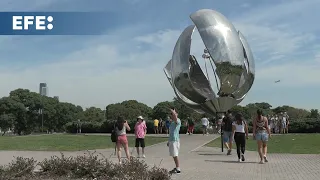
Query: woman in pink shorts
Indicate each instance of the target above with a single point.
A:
(121, 129)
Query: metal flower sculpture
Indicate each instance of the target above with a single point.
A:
(227, 49)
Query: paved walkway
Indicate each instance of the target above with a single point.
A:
(204, 163)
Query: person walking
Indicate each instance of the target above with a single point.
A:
(287, 116)
(156, 126)
(284, 122)
(240, 134)
(190, 126)
(205, 124)
(174, 140)
(140, 131)
(121, 129)
(271, 124)
(227, 131)
(161, 124)
(167, 124)
(219, 124)
(260, 133)
(276, 124)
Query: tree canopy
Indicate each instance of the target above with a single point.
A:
(25, 112)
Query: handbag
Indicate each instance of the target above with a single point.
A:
(114, 134)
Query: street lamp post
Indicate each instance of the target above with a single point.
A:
(79, 126)
(42, 119)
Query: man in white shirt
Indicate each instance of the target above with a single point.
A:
(271, 124)
(284, 122)
(205, 124)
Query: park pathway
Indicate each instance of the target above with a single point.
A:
(204, 163)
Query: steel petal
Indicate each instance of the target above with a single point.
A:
(222, 41)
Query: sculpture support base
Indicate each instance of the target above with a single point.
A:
(221, 131)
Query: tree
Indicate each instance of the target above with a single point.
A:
(6, 122)
(314, 113)
(130, 109)
(20, 111)
(242, 110)
(93, 114)
(161, 110)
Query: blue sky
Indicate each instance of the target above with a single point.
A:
(127, 62)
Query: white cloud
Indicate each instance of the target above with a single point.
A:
(101, 73)
(270, 39)
(160, 38)
(245, 5)
(291, 74)
(92, 76)
(22, 5)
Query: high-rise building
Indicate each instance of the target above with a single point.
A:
(56, 97)
(43, 89)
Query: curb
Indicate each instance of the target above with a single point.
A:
(193, 150)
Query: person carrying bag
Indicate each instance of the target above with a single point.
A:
(114, 138)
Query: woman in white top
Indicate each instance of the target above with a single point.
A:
(240, 134)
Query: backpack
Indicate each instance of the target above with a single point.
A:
(114, 134)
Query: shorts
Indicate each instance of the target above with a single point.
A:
(190, 128)
(204, 127)
(174, 147)
(262, 136)
(140, 142)
(122, 140)
(227, 136)
(284, 125)
(156, 127)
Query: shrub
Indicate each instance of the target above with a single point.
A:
(88, 166)
(20, 168)
(304, 126)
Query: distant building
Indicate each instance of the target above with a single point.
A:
(56, 97)
(43, 89)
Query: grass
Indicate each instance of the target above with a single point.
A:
(289, 143)
(65, 142)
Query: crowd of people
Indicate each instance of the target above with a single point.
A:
(279, 123)
(233, 126)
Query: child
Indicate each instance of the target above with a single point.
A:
(140, 131)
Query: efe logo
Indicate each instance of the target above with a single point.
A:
(23, 22)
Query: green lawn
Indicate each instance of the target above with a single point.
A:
(291, 143)
(65, 142)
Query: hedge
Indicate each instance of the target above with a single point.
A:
(296, 126)
(88, 166)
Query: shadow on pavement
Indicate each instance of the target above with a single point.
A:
(210, 154)
(223, 161)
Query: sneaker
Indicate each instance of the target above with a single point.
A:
(138, 156)
(242, 158)
(239, 160)
(143, 156)
(261, 162)
(175, 171)
(265, 159)
(229, 152)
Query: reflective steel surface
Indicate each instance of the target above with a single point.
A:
(230, 53)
